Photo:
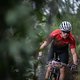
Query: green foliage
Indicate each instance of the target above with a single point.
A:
(20, 20)
(22, 30)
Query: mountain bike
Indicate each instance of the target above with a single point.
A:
(55, 70)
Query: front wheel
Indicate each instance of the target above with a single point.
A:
(54, 75)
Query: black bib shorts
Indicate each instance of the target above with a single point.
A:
(60, 53)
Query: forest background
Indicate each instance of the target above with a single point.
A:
(24, 24)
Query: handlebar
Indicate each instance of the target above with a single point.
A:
(57, 64)
(54, 63)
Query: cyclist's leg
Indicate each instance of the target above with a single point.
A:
(64, 57)
(50, 58)
(62, 73)
(48, 72)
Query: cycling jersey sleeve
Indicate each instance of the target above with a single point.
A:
(54, 33)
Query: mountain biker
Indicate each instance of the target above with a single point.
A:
(61, 39)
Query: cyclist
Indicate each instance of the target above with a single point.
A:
(61, 39)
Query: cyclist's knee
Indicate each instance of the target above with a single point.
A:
(49, 68)
(62, 70)
(47, 72)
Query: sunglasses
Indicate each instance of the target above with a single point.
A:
(66, 32)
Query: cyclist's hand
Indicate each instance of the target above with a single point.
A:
(39, 55)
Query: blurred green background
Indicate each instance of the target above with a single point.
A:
(24, 24)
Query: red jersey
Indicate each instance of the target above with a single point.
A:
(59, 41)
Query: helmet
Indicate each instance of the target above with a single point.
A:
(65, 26)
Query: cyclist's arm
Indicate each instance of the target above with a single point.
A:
(45, 43)
(49, 39)
(73, 50)
(75, 57)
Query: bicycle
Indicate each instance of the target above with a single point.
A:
(55, 70)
